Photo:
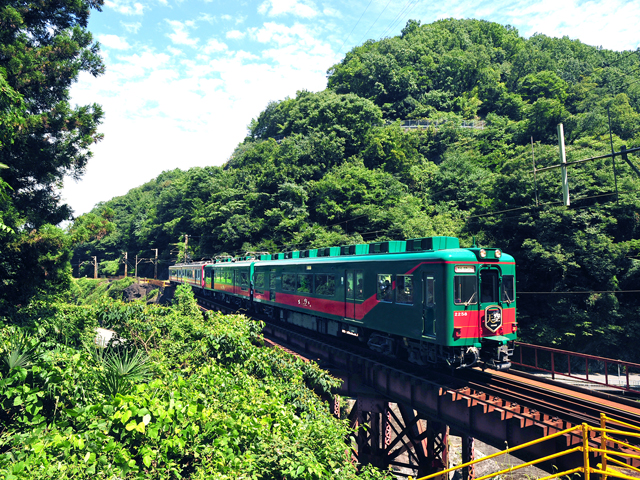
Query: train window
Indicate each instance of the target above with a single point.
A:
(272, 280)
(465, 290)
(244, 280)
(508, 292)
(350, 290)
(260, 282)
(325, 285)
(385, 292)
(488, 286)
(359, 285)
(431, 291)
(404, 289)
(288, 282)
(304, 283)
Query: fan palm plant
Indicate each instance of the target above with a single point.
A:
(120, 368)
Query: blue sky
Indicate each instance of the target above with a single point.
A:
(184, 78)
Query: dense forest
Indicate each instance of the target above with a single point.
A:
(343, 166)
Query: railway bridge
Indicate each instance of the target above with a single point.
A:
(409, 412)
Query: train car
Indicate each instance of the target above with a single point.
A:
(189, 273)
(231, 281)
(424, 299)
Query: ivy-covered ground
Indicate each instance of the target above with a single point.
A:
(185, 396)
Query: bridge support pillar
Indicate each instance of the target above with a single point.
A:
(396, 436)
(468, 454)
(438, 446)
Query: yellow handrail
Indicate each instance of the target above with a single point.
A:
(606, 452)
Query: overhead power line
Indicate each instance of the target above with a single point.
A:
(406, 10)
(376, 20)
(354, 27)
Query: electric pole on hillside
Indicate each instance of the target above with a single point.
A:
(137, 262)
(564, 164)
(155, 265)
(95, 268)
(186, 244)
(126, 255)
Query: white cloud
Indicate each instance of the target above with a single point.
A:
(298, 8)
(331, 12)
(165, 111)
(214, 46)
(594, 23)
(282, 34)
(132, 27)
(235, 34)
(205, 17)
(180, 34)
(114, 41)
(125, 7)
(611, 24)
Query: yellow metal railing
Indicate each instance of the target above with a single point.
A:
(604, 468)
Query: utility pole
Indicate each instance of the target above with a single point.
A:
(535, 181)
(126, 255)
(155, 267)
(186, 244)
(563, 162)
(613, 155)
(95, 268)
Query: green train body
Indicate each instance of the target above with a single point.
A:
(425, 299)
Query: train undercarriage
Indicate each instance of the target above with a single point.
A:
(493, 353)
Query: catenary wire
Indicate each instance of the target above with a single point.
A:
(375, 21)
(354, 27)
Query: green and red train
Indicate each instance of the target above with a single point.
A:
(425, 299)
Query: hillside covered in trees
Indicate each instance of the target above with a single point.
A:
(340, 167)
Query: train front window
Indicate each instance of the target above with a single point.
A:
(508, 291)
(465, 290)
(488, 286)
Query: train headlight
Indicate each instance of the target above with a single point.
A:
(498, 253)
(483, 253)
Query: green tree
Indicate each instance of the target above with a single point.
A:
(43, 48)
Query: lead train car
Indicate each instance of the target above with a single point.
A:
(436, 303)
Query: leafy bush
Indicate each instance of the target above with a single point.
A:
(181, 395)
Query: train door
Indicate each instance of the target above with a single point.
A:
(354, 293)
(428, 305)
(489, 305)
(272, 285)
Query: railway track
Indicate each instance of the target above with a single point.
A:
(571, 404)
(522, 394)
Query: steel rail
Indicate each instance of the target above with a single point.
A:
(518, 392)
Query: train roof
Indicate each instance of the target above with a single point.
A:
(430, 248)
